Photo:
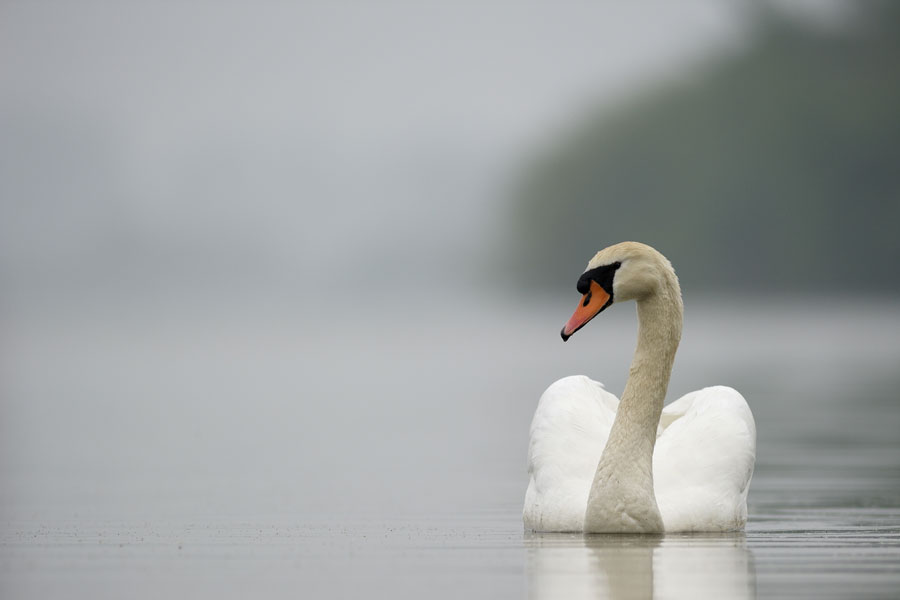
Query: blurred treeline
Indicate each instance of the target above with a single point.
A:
(775, 167)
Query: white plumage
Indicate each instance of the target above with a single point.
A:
(702, 464)
(596, 464)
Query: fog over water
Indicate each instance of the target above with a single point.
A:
(224, 452)
(256, 335)
(221, 142)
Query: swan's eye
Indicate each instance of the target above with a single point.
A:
(602, 275)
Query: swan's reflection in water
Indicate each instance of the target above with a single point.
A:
(631, 566)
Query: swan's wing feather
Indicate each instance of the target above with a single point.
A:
(704, 460)
(568, 433)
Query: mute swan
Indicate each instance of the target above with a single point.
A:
(591, 457)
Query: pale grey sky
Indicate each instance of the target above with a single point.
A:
(226, 139)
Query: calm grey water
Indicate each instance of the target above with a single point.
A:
(184, 448)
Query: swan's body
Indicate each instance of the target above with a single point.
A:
(601, 465)
(701, 464)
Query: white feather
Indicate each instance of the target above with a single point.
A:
(702, 464)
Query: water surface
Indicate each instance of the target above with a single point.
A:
(223, 452)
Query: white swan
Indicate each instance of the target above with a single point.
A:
(591, 457)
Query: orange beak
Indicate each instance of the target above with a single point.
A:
(590, 306)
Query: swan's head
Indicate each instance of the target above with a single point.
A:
(625, 271)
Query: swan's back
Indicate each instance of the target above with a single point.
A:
(568, 433)
(703, 461)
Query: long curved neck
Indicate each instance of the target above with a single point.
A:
(621, 497)
(659, 332)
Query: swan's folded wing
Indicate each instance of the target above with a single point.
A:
(568, 433)
(704, 460)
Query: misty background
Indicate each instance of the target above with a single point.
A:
(148, 147)
(281, 283)
(312, 258)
